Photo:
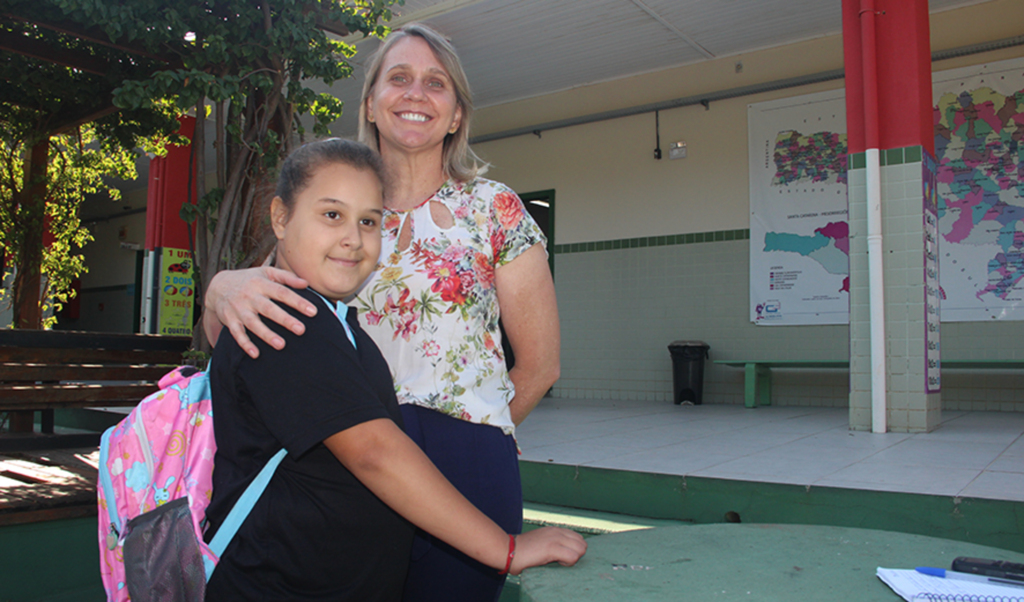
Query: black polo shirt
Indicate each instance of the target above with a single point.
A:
(316, 533)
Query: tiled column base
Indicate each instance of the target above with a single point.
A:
(910, 407)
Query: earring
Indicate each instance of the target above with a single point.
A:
(454, 129)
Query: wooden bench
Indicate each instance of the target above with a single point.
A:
(757, 382)
(43, 370)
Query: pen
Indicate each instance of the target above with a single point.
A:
(947, 574)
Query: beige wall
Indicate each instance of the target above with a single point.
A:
(607, 183)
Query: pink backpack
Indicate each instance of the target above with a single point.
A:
(155, 482)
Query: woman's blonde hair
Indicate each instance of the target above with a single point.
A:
(458, 161)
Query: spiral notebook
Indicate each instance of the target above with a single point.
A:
(916, 587)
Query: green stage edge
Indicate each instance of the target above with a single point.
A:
(701, 500)
(51, 561)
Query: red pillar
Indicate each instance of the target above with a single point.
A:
(890, 141)
(167, 297)
(168, 189)
(903, 86)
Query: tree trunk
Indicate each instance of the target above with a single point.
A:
(198, 242)
(27, 280)
(238, 239)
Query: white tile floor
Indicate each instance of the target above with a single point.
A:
(972, 454)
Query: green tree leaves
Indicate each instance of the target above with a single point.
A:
(80, 163)
(249, 62)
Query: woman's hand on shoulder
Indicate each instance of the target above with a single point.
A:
(545, 545)
(237, 299)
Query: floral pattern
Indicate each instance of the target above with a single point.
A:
(433, 308)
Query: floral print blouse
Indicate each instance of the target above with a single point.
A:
(433, 307)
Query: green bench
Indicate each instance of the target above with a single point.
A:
(757, 382)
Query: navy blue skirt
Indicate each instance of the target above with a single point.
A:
(481, 462)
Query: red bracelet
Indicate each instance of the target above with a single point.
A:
(511, 554)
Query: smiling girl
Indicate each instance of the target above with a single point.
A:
(334, 522)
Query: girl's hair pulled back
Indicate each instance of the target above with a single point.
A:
(299, 167)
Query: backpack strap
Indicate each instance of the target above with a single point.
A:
(243, 507)
(107, 484)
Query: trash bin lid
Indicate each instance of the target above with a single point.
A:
(688, 344)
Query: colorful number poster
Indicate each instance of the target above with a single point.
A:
(176, 295)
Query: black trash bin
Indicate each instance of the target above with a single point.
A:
(688, 370)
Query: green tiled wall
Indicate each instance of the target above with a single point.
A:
(621, 307)
(892, 156)
(621, 302)
(652, 241)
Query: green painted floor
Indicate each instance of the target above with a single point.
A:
(745, 562)
(57, 561)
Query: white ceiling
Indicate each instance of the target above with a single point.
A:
(516, 49)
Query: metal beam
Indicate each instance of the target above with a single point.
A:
(25, 46)
(94, 35)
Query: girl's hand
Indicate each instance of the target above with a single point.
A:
(237, 299)
(547, 544)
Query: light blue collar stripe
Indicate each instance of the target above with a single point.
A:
(341, 314)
